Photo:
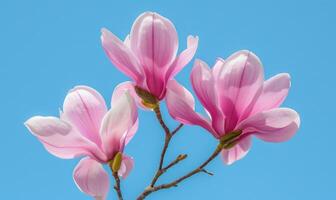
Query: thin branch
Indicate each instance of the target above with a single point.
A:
(160, 119)
(174, 183)
(177, 129)
(168, 136)
(174, 162)
(117, 185)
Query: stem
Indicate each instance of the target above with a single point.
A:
(160, 119)
(174, 183)
(168, 136)
(117, 185)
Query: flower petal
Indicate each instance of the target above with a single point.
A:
(60, 139)
(84, 108)
(121, 56)
(276, 125)
(118, 123)
(126, 167)
(154, 40)
(127, 87)
(181, 106)
(91, 178)
(237, 152)
(184, 58)
(274, 92)
(239, 82)
(203, 83)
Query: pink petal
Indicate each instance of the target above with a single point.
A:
(237, 152)
(121, 55)
(126, 167)
(276, 125)
(154, 41)
(127, 87)
(91, 178)
(84, 108)
(60, 139)
(119, 124)
(181, 106)
(203, 83)
(184, 58)
(239, 81)
(274, 92)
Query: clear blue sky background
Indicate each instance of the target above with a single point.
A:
(47, 47)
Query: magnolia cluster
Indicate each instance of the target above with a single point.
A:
(237, 99)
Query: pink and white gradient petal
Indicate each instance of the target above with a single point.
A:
(119, 121)
(184, 58)
(181, 106)
(237, 152)
(274, 92)
(275, 125)
(91, 178)
(126, 167)
(127, 86)
(239, 83)
(60, 139)
(121, 55)
(84, 108)
(203, 83)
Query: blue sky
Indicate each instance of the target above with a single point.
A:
(47, 47)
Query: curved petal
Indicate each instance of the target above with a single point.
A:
(84, 108)
(181, 106)
(239, 81)
(126, 167)
(237, 152)
(154, 40)
(91, 178)
(121, 56)
(127, 87)
(203, 83)
(274, 92)
(184, 58)
(60, 139)
(276, 125)
(118, 123)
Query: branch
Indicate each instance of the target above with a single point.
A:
(152, 189)
(117, 185)
(160, 119)
(168, 136)
(174, 162)
(177, 129)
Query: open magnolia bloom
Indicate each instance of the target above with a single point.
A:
(149, 54)
(87, 128)
(239, 103)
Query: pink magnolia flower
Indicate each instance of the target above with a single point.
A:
(237, 99)
(86, 128)
(149, 53)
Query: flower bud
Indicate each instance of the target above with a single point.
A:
(116, 162)
(148, 100)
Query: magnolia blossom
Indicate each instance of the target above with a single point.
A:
(148, 55)
(237, 99)
(87, 128)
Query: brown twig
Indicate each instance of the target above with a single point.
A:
(160, 119)
(117, 185)
(168, 136)
(174, 183)
(177, 129)
(174, 162)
